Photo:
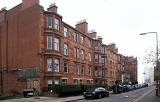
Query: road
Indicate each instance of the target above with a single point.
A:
(124, 97)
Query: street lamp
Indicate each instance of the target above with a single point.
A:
(144, 76)
(157, 88)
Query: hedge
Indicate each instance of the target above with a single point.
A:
(70, 89)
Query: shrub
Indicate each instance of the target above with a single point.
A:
(14, 92)
(70, 89)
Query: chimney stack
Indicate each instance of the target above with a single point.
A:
(29, 3)
(53, 8)
(2, 14)
(82, 26)
(92, 34)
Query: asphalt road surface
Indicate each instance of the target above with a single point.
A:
(130, 96)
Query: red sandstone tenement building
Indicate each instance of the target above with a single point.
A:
(38, 48)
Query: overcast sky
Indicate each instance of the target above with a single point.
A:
(118, 21)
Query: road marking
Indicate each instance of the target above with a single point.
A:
(129, 95)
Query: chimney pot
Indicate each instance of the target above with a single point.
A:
(52, 8)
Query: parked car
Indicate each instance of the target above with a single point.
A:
(96, 93)
(117, 89)
(130, 87)
(28, 93)
(125, 88)
(145, 84)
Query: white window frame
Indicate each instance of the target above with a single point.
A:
(56, 23)
(65, 66)
(56, 81)
(102, 49)
(75, 68)
(81, 81)
(89, 57)
(65, 49)
(65, 82)
(49, 42)
(89, 43)
(50, 82)
(75, 36)
(82, 39)
(96, 58)
(56, 44)
(75, 81)
(82, 54)
(49, 21)
(90, 70)
(77, 52)
(49, 64)
(103, 60)
(83, 69)
(65, 32)
(56, 64)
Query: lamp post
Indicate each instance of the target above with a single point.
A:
(157, 88)
(144, 76)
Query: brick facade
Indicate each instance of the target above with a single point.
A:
(37, 48)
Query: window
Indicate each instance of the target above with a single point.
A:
(65, 32)
(89, 43)
(82, 69)
(118, 66)
(96, 71)
(56, 26)
(76, 37)
(110, 73)
(64, 81)
(49, 82)
(49, 64)
(56, 64)
(90, 70)
(81, 81)
(88, 82)
(99, 58)
(96, 57)
(119, 58)
(50, 21)
(76, 81)
(102, 60)
(103, 72)
(82, 40)
(111, 64)
(66, 67)
(49, 42)
(76, 68)
(82, 54)
(56, 44)
(89, 57)
(111, 55)
(56, 81)
(65, 49)
(96, 45)
(102, 50)
(75, 51)
(105, 50)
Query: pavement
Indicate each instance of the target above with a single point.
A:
(48, 99)
(147, 97)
